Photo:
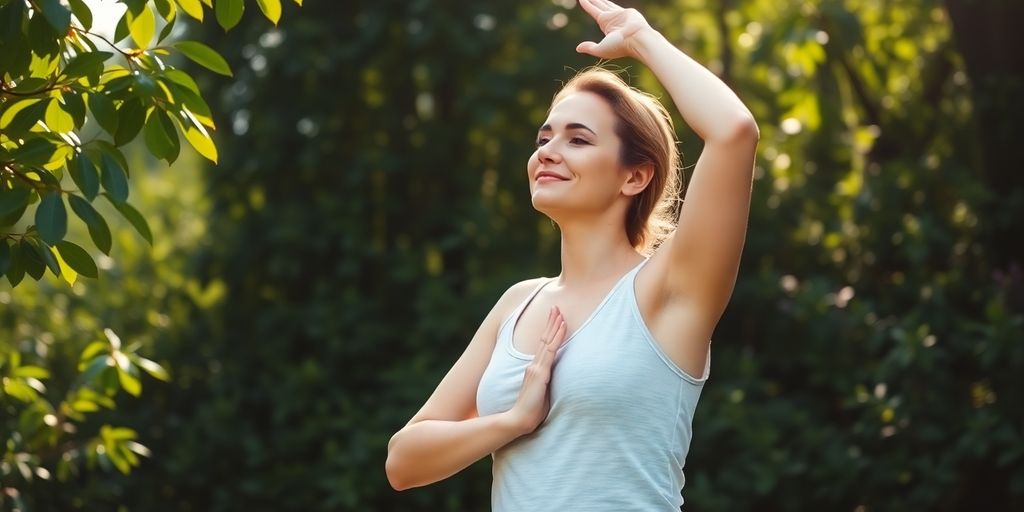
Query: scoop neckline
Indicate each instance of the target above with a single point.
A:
(522, 309)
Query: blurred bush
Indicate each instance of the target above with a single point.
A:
(370, 206)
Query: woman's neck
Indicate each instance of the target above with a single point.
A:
(594, 252)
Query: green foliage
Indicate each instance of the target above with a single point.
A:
(375, 207)
(75, 433)
(68, 106)
(41, 434)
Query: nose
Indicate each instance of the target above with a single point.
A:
(547, 154)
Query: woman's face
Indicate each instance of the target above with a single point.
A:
(576, 168)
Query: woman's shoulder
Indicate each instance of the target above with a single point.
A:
(516, 294)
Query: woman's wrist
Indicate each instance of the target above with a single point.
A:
(642, 42)
(511, 424)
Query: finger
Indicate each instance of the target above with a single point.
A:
(558, 338)
(587, 47)
(604, 48)
(542, 359)
(560, 334)
(548, 328)
(592, 9)
(606, 5)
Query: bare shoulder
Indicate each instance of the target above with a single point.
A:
(516, 294)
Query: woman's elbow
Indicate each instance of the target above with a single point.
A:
(397, 471)
(395, 474)
(743, 129)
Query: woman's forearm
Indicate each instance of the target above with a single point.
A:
(706, 103)
(431, 450)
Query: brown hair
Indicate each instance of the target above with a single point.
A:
(648, 137)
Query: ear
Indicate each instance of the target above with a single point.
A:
(637, 179)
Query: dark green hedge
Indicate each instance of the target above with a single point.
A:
(371, 205)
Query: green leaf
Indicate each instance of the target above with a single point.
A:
(123, 28)
(82, 12)
(91, 351)
(58, 119)
(34, 372)
(166, 9)
(51, 218)
(115, 87)
(131, 116)
(31, 260)
(199, 138)
(67, 272)
(13, 198)
(86, 64)
(15, 270)
(94, 368)
(11, 218)
(99, 147)
(117, 433)
(36, 151)
(193, 101)
(56, 14)
(204, 56)
(12, 14)
(19, 390)
(129, 382)
(85, 406)
(98, 230)
(20, 119)
(228, 12)
(271, 9)
(43, 252)
(103, 111)
(84, 174)
(43, 39)
(135, 218)
(74, 105)
(193, 8)
(183, 79)
(114, 179)
(142, 26)
(161, 137)
(77, 258)
(145, 86)
(5, 256)
(166, 31)
(152, 368)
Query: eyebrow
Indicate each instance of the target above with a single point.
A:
(570, 126)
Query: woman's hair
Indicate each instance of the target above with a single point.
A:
(648, 137)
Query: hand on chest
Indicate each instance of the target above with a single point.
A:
(577, 307)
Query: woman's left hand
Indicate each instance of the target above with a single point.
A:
(619, 25)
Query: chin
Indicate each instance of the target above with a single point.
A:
(551, 205)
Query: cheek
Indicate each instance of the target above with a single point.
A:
(532, 163)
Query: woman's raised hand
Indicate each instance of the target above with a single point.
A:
(619, 25)
(532, 405)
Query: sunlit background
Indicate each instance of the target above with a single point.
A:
(370, 205)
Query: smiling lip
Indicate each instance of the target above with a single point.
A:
(548, 176)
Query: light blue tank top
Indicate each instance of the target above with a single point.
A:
(619, 427)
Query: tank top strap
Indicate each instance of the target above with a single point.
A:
(631, 275)
(518, 311)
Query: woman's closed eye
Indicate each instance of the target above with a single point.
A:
(579, 141)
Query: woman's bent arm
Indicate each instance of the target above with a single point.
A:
(446, 435)
(431, 450)
(704, 251)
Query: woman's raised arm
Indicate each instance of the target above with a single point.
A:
(704, 251)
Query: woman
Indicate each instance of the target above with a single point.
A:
(583, 387)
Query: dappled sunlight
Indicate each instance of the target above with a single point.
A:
(300, 299)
